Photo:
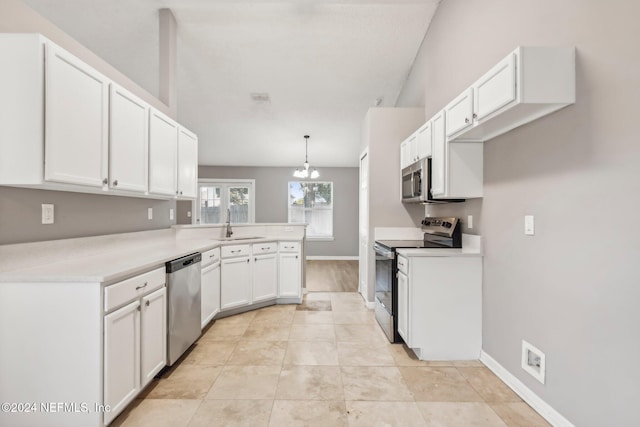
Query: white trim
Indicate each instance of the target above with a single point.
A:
(195, 204)
(226, 180)
(320, 238)
(370, 305)
(330, 257)
(532, 399)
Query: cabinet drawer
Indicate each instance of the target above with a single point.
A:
(210, 257)
(289, 246)
(403, 265)
(122, 292)
(264, 248)
(235, 250)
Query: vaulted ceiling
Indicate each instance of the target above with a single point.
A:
(323, 63)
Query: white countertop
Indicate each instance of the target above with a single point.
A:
(120, 262)
(420, 252)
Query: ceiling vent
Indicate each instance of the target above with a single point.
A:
(260, 98)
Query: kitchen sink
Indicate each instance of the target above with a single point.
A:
(229, 239)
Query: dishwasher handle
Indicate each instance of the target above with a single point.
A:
(184, 262)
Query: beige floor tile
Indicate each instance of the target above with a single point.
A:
(209, 353)
(468, 364)
(353, 317)
(311, 353)
(157, 413)
(312, 332)
(438, 385)
(318, 296)
(268, 331)
(363, 354)
(314, 305)
(308, 413)
(518, 414)
(488, 386)
(374, 383)
(404, 356)
(361, 333)
(456, 414)
(341, 305)
(238, 319)
(258, 352)
(382, 414)
(224, 332)
(346, 297)
(310, 383)
(245, 382)
(275, 314)
(184, 382)
(232, 413)
(313, 317)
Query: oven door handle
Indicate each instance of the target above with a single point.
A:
(383, 252)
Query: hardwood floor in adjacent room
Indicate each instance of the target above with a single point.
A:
(332, 276)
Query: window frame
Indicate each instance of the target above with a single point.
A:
(224, 195)
(330, 237)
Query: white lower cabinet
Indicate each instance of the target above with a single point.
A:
(290, 271)
(235, 282)
(210, 291)
(135, 338)
(265, 277)
(440, 306)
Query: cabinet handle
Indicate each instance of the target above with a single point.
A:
(235, 252)
(255, 259)
(115, 183)
(180, 192)
(296, 256)
(466, 120)
(248, 259)
(105, 181)
(143, 286)
(211, 256)
(147, 303)
(475, 116)
(176, 192)
(138, 308)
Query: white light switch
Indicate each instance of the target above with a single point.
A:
(188, 214)
(171, 214)
(47, 214)
(150, 213)
(470, 221)
(528, 225)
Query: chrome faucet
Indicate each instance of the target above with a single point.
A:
(229, 230)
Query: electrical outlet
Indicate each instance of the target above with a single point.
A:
(188, 214)
(528, 225)
(47, 214)
(533, 361)
(150, 213)
(470, 221)
(171, 214)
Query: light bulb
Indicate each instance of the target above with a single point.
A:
(315, 174)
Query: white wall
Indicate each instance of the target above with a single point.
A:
(572, 289)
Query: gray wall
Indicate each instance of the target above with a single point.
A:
(77, 215)
(572, 289)
(271, 201)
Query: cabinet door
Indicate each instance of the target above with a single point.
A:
(121, 358)
(210, 292)
(405, 154)
(163, 155)
(438, 155)
(403, 307)
(265, 277)
(290, 281)
(413, 148)
(76, 121)
(153, 334)
(235, 282)
(128, 141)
(496, 88)
(424, 141)
(460, 112)
(187, 164)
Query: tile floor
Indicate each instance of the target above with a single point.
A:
(323, 363)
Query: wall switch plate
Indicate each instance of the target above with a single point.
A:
(150, 213)
(47, 214)
(171, 214)
(533, 361)
(470, 221)
(528, 225)
(188, 214)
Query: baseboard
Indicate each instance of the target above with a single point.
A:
(371, 305)
(532, 399)
(331, 258)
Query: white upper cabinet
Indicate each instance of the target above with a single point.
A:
(76, 121)
(128, 141)
(423, 146)
(187, 164)
(405, 154)
(439, 153)
(460, 112)
(527, 84)
(163, 154)
(416, 147)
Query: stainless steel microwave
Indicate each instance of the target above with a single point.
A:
(416, 184)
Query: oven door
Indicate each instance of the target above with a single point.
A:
(385, 282)
(407, 185)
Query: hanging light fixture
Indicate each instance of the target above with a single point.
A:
(304, 172)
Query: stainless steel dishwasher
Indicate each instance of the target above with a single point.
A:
(183, 290)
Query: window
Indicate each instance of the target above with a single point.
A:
(312, 203)
(216, 196)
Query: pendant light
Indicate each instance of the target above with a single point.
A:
(304, 172)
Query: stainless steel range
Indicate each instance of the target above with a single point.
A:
(439, 233)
